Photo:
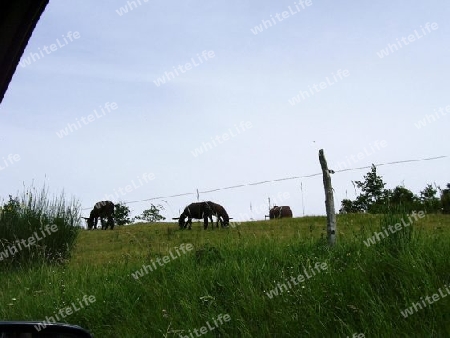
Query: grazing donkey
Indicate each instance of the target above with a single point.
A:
(280, 212)
(221, 214)
(199, 210)
(102, 210)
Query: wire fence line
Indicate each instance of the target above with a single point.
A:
(279, 180)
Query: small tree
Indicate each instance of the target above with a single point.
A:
(430, 203)
(152, 215)
(402, 198)
(346, 206)
(349, 207)
(372, 196)
(13, 205)
(122, 214)
(445, 199)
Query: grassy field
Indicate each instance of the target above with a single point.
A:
(258, 279)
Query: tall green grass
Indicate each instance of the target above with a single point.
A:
(35, 228)
(230, 271)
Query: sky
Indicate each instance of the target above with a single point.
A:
(134, 100)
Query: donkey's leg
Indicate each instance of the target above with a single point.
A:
(108, 223)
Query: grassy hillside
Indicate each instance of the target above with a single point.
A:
(259, 279)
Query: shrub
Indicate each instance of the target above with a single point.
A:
(152, 215)
(122, 214)
(34, 228)
(445, 200)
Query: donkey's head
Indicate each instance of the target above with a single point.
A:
(181, 222)
(90, 222)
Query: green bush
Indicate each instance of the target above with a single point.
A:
(445, 200)
(152, 215)
(36, 229)
(122, 214)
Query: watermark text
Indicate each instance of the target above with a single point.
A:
(170, 75)
(121, 191)
(10, 160)
(404, 41)
(20, 244)
(415, 307)
(316, 88)
(378, 236)
(220, 139)
(364, 153)
(438, 113)
(220, 320)
(307, 274)
(146, 269)
(266, 24)
(46, 50)
(67, 311)
(129, 6)
(84, 120)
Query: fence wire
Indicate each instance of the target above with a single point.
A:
(280, 179)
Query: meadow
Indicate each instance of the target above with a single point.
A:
(276, 278)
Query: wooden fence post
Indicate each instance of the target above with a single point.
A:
(329, 200)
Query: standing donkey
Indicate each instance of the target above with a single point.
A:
(102, 210)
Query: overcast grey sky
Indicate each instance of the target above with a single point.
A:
(169, 97)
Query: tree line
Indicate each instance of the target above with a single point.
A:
(375, 198)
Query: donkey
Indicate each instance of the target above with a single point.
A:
(221, 214)
(280, 212)
(102, 210)
(199, 210)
